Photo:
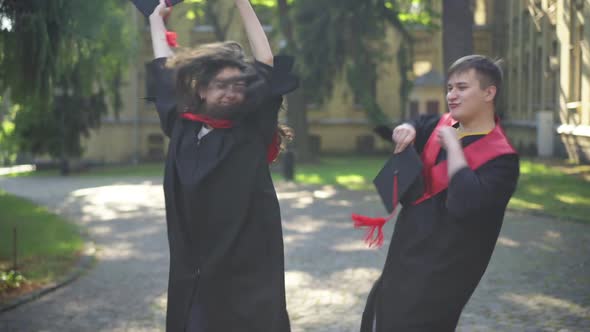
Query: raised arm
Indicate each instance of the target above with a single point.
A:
(256, 36)
(163, 96)
(158, 32)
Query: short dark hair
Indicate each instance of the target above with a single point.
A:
(489, 71)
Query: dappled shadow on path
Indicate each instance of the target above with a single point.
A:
(125, 219)
(538, 278)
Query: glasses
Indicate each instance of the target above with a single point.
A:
(234, 86)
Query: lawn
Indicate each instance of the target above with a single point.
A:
(551, 187)
(354, 173)
(140, 170)
(47, 245)
(555, 188)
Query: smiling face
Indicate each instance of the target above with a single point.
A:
(225, 89)
(466, 97)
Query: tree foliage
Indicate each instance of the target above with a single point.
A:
(207, 12)
(62, 61)
(8, 144)
(348, 35)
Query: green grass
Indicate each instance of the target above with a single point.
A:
(47, 245)
(141, 170)
(548, 188)
(354, 173)
(551, 187)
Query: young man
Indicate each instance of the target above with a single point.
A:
(442, 242)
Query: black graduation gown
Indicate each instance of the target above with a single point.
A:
(441, 247)
(222, 212)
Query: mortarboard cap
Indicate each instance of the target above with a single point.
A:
(400, 180)
(146, 7)
(402, 172)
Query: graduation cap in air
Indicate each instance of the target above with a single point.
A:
(146, 7)
(399, 181)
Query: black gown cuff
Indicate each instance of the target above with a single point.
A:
(280, 76)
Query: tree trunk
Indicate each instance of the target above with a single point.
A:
(220, 23)
(297, 120)
(457, 24)
(297, 110)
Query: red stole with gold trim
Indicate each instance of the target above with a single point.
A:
(436, 178)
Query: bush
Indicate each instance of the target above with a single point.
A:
(10, 280)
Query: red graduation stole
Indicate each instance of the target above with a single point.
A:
(273, 148)
(436, 178)
(211, 122)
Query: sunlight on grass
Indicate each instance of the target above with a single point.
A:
(141, 170)
(577, 169)
(529, 167)
(541, 187)
(47, 244)
(309, 178)
(350, 179)
(554, 187)
(520, 204)
(353, 181)
(545, 187)
(536, 190)
(573, 199)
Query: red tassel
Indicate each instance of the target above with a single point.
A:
(372, 224)
(274, 148)
(171, 37)
(376, 224)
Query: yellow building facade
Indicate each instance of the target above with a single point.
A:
(548, 77)
(545, 107)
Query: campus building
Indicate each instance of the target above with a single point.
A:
(545, 108)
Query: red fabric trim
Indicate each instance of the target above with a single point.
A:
(171, 38)
(436, 178)
(432, 149)
(214, 123)
(274, 148)
(168, 4)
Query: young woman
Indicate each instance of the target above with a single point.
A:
(224, 224)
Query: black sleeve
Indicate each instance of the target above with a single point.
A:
(489, 187)
(164, 93)
(280, 81)
(424, 126)
(279, 76)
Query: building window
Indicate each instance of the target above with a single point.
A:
(538, 73)
(155, 147)
(432, 107)
(576, 33)
(577, 65)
